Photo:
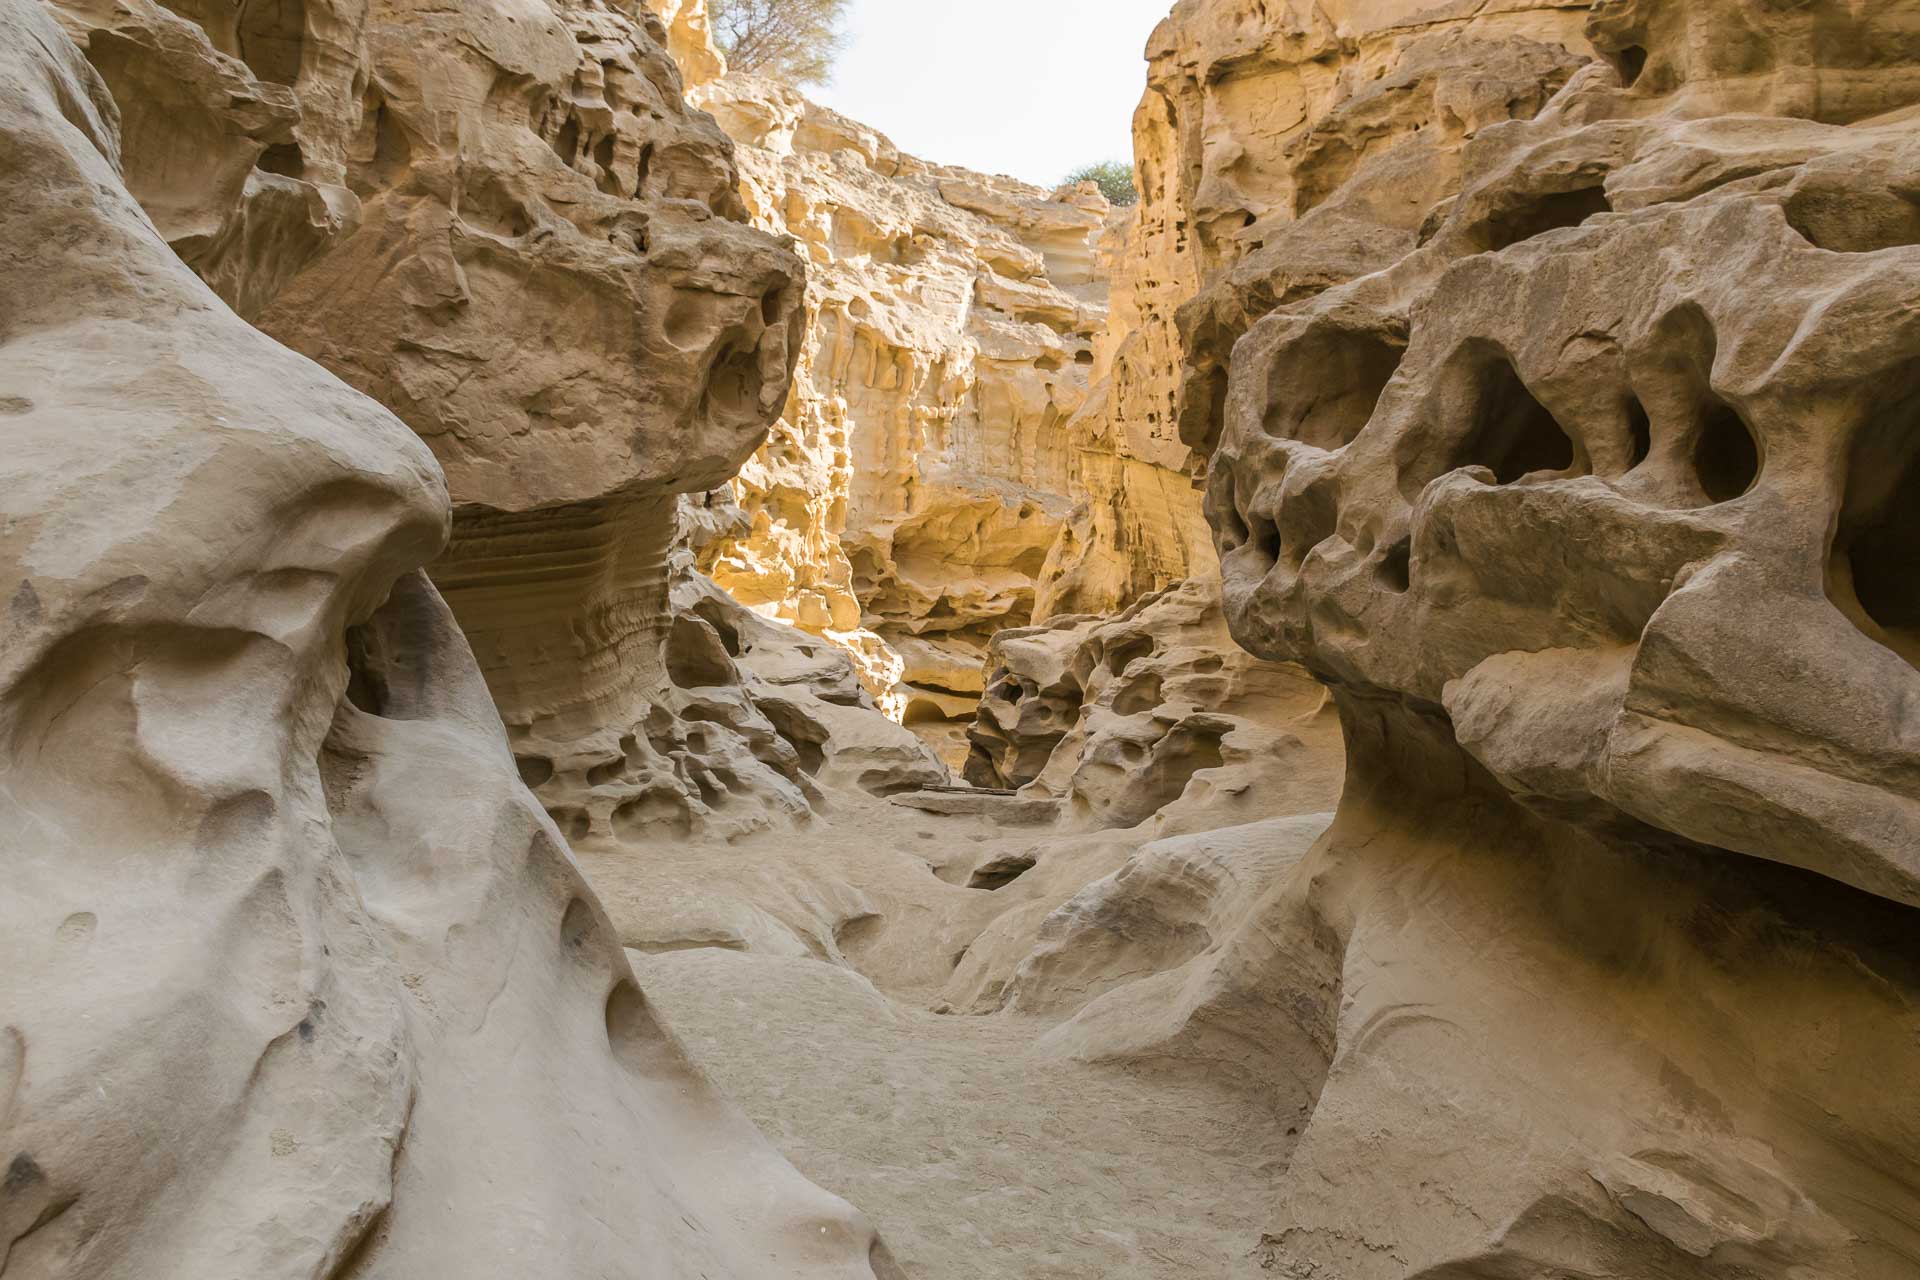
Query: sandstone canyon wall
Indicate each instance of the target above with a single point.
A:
(906, 502)
(296, 978)
(512, 230)
(1573, 454)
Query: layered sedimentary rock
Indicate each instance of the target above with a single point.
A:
(906, 502)
(296, 979)
(1587, 490)
(537, 257)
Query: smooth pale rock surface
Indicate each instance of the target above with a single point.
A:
(296, 979)
(905, 504)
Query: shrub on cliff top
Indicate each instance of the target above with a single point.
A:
(1113, 177)
(792, 40)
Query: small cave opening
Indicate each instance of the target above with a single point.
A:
(1555, 211)
(380, 152)
(923, 711)
(1395, 571)
(696, 656)
(1325, 391)
(1142, 693)
(1002, 871)
(1514, 435)
(566, 143)
(272, 36)
(733, 385)
(535, 771)
(285, 159)
(1639, 432)
(1873, 573)
(1725, 457)
(1631, 63)
(1126, 652)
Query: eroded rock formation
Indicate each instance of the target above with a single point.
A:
(296, 979)
(1590, 506)
(906, 502)
(535, 254)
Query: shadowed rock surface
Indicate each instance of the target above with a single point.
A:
(296, 979)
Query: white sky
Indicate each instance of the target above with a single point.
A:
(1031, 88)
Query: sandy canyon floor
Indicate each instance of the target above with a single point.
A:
(976, 1149)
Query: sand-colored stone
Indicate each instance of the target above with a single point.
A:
(296, 979)
(541, 263)
(906, 501)
(1592, 507)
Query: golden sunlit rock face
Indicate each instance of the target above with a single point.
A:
(1358, 719)
(906, 502)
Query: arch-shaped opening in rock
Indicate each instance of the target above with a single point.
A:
(1513, 434)
(1324, 390)
(535, 771)
(1395, 570)
(1551, 211)
(272, 38)
(1726, 457)
(1873, 571)
(1630, 62)
(1142, 693)
(696, 657)
(1639, 432)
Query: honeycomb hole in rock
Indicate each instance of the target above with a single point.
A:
(1326, 389)
(1639, 432)
(733, 387)
(1395, 571)
(1874, 569)
(1142, 693)
(535, 771)
(380, 152)
(284, 159)
(651, 811)
(1001, 871)
(1309, 518)
(1630, 62)
(603, 159)
(1725, 457)
(924, 711)
(697, 657)
(1127, 652)
(1555, 211)
(272, 36)
(1845, 219)
(1514, 435)
(574, 823)
(392, 655)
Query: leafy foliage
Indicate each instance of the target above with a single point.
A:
(792, 40)
(1113, 177)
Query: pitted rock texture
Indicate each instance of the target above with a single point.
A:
(1151, 711)
(537, 258)
(1592, 507)
(905, 504)
(296, 980)
(1256, 116)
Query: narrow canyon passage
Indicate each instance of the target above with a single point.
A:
(606, 674)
